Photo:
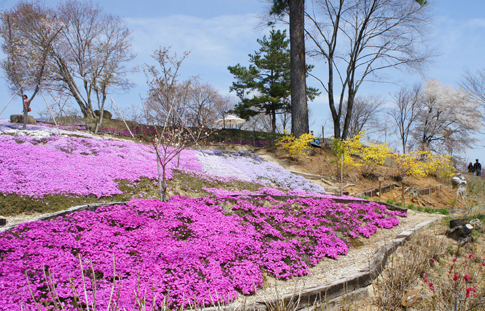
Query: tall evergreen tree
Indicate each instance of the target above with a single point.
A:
(299, 106)
(264, 87)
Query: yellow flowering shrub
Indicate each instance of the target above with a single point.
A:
(340, 148)
(371, 154)
(423, 163)
(295, 146)
(439, 164)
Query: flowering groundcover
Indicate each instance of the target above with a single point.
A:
(248, 166)
(185, 251)
(35, 167)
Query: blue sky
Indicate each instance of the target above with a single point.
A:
(220, 33)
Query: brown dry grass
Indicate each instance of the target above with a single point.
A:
(426, 266)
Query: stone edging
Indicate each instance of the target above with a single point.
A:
(89, 207)
(390, 207)
(352, 284)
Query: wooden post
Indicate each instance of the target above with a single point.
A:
(403, 199)
(341, 174)
(380, 186)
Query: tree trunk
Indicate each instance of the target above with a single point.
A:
(348, 114)
(273, 121)
(299, 109)
(26, 113)
(101, 113)
(164, 183)
(86, 110)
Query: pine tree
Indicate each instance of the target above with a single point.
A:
(264, 86)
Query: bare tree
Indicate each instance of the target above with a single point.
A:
(406, 111)
(358, 40)
(77, 49)
(365, 114)
(204, 104)
(169, 143)
(447, 120)
(228, 105)
(91, 54)
(284, 120)
(475, 85)
(165, 91)
(28, 30)
(195, 103)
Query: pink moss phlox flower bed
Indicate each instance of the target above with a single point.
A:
(249, 166)
(63, 127)
(35, 167)
(183, 251)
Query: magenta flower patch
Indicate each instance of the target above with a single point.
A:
(67, 165)
(183, 251)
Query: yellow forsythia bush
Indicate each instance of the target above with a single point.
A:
(371, 154)
(423, 163)
(295, 146)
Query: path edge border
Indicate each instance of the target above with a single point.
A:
(354, 284)
(90, 207)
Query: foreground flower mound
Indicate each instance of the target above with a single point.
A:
(186, 251)
(34, 166)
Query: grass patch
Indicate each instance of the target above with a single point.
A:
(430, 210)
(182, 184)
(14, 204)
(192, 184)
(356, 243)
(481, 217)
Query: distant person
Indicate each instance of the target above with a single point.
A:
(471, 169)
(478, 168)
(26, 104)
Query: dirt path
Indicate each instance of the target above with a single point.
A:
(330, 269)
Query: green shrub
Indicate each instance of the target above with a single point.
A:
(444, 211)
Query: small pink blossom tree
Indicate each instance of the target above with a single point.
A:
(166, 105)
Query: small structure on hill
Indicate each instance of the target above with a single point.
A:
(230, 120)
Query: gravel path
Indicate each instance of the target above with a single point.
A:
(330, 269)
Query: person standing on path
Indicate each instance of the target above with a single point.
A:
(26, 103)
(478, 168)
(26, 111)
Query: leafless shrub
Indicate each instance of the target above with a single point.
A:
(403, 270)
